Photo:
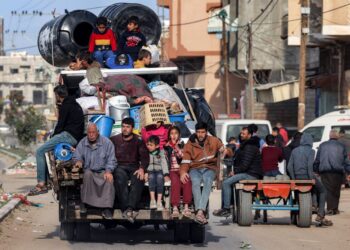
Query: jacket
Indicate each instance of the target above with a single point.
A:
(70, 119)
(158, 162)
(331, 158)
(102, 41)
(131, 42)
(169, 150)
(196, 156)
(248, 159)
(300, 165)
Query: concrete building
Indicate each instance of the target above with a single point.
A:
(29, 75)
(196, 49)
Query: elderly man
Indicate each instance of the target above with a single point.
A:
(96, 154)
(199, 163)
(331, 163)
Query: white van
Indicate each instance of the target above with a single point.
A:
(320, 127)
(226, 128)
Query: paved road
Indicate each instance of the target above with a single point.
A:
(37, 228)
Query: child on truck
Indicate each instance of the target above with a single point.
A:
(157, 172)
(173, 150)
(132, 40)
(102, 41)
(144, 59)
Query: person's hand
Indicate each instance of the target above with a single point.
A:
(146, 177)
(78, 164)
(72, 149)
(140, 174)
(184, 178)
(231, 174)
(108, 177)
(166, 179)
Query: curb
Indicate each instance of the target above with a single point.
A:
(7, 209)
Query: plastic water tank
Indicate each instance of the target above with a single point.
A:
(65, 35)
(149, 22)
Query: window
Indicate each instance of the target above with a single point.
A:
(316, 133)
(39, 97)
(235, 130)
(14, 71)
(25, 66)
(1, 67)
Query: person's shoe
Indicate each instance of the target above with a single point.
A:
(83, 209)
(222, 212)
(129, 216)
(107, 214)
(153, 204)
(333, 212)
(160, 206)
(323, 221)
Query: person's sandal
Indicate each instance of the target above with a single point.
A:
(187, 213)
(323, 221)
(200, 219)
(175, 213)
(37, 190)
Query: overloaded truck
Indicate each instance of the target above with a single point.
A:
(59, 41)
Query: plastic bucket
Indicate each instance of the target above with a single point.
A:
(177, 117)
(104, 124)
(118, 107)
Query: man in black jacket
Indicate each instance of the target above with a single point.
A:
(247, 166)
(69, 129)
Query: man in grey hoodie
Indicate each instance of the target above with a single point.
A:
(300, 167)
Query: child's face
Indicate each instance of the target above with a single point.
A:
(151, 146)
(232, 142)
(174, 135)
(101, 28)
(147, 60)
(132, 26)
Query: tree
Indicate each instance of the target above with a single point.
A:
(24, 120)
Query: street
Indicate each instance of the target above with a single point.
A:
(37, 228)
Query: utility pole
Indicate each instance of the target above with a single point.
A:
(305, 11)
(250, 72)
(226, 88)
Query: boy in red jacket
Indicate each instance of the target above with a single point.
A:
(102, 41)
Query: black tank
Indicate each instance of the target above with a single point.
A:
(60, 39)
(119, 13)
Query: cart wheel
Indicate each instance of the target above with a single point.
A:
(67, 230)
(305, 210)
(182, 232)
(245, 215)
(197, 233)
(82, 231)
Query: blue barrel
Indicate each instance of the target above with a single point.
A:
(104, 124)
(63, 152)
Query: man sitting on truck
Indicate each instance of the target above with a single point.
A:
(69, 129)
(133, 160)
(96, 154)
(200, 163)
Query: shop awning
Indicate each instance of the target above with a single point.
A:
(277, 92)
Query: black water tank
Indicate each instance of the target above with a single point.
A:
(149, 22)
(65, 36)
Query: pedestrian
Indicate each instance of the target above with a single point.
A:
(283, 132)
(133, 160)
(102, 44)
(331, 163)
(271, 155)
(247, 166)
(132, 39)
(69, 129)
(300, 167)
(228, 160)
(344, 139)
(278, 138)
(173, 149)
(157, 172)
(253, 127)
(96, 155)
(287, 151)
(200, 163)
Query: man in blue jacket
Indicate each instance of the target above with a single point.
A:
(331, 163)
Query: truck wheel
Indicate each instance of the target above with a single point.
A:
(182, 232)
(82, 231)
(67, 231)
(197, 233)
(245, 216)
(305, 210)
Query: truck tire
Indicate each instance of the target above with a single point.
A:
(245, 215)
(82, 231)
(304, 217)
(182, 232)
(67, 231)
(197, 233)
